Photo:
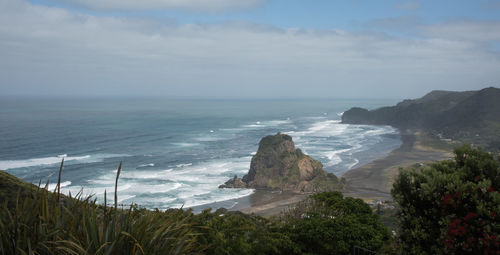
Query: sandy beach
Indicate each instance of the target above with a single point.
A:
(372, 181)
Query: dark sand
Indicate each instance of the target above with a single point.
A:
(372, 181)
(269, 203)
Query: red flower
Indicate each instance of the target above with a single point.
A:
(491, 189)
(486, 236)
(448, 243)
(470, 215)
(477, 177)
(446, 199)
(493, 214)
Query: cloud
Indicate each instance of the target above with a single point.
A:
(196, 5)
(465, 30)
(51, 51)
(409, 6)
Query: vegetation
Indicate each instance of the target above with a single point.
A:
(10, 187)
(451, 207)
(328, 223)
(38, 221)
(237, 233)
(44, 222)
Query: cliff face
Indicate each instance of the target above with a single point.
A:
(279, 165)
(470, 116)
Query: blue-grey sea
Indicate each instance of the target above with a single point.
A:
(175, 152)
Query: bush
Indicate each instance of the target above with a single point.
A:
(451, 207)
(328, 223)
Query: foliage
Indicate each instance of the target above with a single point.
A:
(39, 221)
(237, 233)
(10, 187)
(44, 222)
(451, 207)
(328, 223)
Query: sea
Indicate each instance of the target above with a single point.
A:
(174, 152)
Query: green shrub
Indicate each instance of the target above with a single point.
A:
(451, 207)
(328, 223)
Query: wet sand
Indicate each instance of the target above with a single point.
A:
(374, 180)
(268, 203)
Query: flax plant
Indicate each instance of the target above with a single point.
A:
(47, 222)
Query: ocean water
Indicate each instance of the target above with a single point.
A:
(174, 152)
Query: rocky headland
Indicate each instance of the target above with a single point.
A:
(278, 165)
(469, 116)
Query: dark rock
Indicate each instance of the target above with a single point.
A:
(235, 182)
(279, 165)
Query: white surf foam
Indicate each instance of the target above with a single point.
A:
(268, 123)
(52, 186)
(125, 197)
(186, 184)
(185, 144)
(323, 136)
(12, 164)
(147, 165)
(212, 197)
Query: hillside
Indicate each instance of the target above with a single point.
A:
(11, 186)
(279, 165)
(470, 116)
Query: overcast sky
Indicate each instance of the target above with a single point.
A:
(248, 48)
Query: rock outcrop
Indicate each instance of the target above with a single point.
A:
(235, 182)
(279, 165)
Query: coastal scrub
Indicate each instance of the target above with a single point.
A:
(451, 207)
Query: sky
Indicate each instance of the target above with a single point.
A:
(247, 48)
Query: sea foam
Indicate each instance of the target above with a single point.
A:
(12, 164)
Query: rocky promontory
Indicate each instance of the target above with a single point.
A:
(468, 116)
(278, 165)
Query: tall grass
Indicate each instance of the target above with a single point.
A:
(46, 222)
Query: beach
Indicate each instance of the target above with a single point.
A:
(372, 181)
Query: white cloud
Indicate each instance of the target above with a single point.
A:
(468, 30)
(198, 5)
(47, 50)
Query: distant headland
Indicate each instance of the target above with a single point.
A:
(469, 116)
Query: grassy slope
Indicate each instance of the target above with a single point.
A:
(10, 186)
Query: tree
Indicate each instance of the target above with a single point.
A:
(451, 207)
(225, 232)
(328, 223)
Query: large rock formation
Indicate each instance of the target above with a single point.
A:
(279, 165)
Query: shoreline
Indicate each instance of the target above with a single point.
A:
(371, 181)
